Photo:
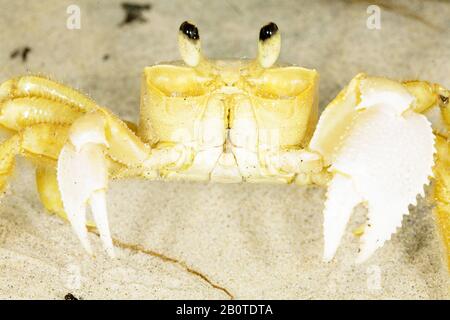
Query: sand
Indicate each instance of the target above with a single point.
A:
(214, 241)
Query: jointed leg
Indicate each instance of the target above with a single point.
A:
(39, 111)
(41, 87)
(8, 151)
(41, 143)
(305, 165)
(442, 191)
(433, 101)
(59, 127)
(48, 189)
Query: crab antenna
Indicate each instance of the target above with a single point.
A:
(189, 44)
(269, 45)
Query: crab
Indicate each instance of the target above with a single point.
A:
(377, 143)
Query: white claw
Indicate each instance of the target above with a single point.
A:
(383, 158)
(342, 198)
(389, 158)
(98, 207)
(83, 177)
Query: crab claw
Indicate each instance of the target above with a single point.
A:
(380, 153)
(83, 177)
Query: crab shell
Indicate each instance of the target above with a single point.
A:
(232, 120)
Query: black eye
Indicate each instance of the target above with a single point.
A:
(268, 31)
(190, 30)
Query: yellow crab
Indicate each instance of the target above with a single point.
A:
(378, 142)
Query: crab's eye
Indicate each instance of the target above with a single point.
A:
(269, 45)
(189, 44)
(190, 30)
(268, 31)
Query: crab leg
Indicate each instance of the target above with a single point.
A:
(38, 142)
(433, 101)
(39, 112)
(8, 149)
(380, 152)
(40, 87)
(304, 166)
(48, 189)
(442, 191)
(295, 161)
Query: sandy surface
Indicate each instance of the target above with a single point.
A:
(193, 240)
